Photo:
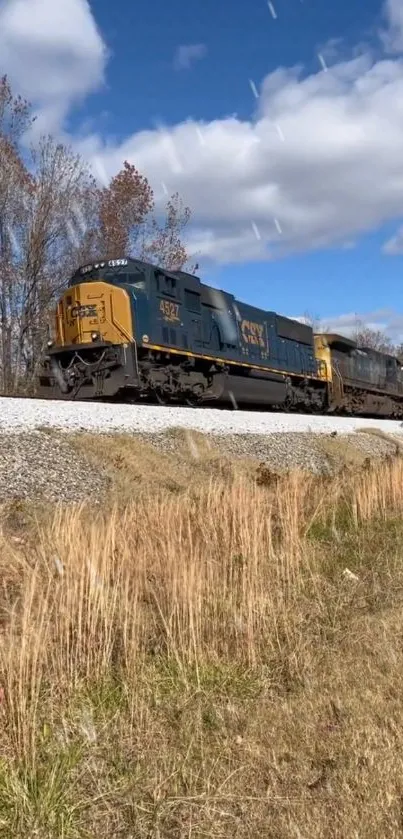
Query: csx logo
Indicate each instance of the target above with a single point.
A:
(88, 311)
(253, 333)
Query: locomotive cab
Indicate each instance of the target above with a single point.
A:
(98, 305)
(94, 332)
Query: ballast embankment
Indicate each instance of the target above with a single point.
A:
(50, 465)
(19, 415)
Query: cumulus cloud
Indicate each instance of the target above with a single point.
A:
(52, 52)
(319, 164)
(187, 54)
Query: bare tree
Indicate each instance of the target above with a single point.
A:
(375, 339)
(51, 241)
(313, 321)
(398, 351)
(15, 184)
(166, 246)
(39, 251)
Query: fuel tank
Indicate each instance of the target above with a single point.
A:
(263, 390)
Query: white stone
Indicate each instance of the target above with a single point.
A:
(18, 415)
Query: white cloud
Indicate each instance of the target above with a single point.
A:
(384, 320)
(392, 36)
(394, 245)
(187, 54)
(52, 52)
(319, 164)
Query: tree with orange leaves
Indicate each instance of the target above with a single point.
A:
(124, 207)
(127, 223)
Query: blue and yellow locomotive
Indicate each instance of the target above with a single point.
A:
(128, 330)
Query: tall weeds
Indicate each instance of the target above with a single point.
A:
(231, 574)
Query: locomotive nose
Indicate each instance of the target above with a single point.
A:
(95, 311)
(83, 307)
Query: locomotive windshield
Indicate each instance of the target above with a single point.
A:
(115, 271)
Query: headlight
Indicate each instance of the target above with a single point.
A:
(94, 336)
(50, 344)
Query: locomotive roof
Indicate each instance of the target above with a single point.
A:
(335, 340)
(129, 262)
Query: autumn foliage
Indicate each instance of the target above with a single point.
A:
(123, 205)
(54, 216)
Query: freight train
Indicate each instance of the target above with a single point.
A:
(127, 330)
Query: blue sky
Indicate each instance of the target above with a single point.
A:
(297, 194)
(242, 41)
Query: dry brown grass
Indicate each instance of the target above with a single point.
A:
(137, 466)
(383, 435)
(179, 459)
(341, 451)
(197, 664)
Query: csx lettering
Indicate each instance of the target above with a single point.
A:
(88, 311)
(169, 310)
(253, 333)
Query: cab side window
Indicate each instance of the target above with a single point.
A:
(165, 284)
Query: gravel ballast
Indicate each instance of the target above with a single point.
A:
(19, 415)
(319, 454)
(45, 466)
(38, 461)
(38, 466)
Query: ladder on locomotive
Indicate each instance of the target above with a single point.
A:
(336, 388)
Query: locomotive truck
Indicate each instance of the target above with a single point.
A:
(127, 330)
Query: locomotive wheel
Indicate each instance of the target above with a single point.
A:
(161, 398)
(192, 401)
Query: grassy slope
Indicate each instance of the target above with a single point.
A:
(193, 662)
